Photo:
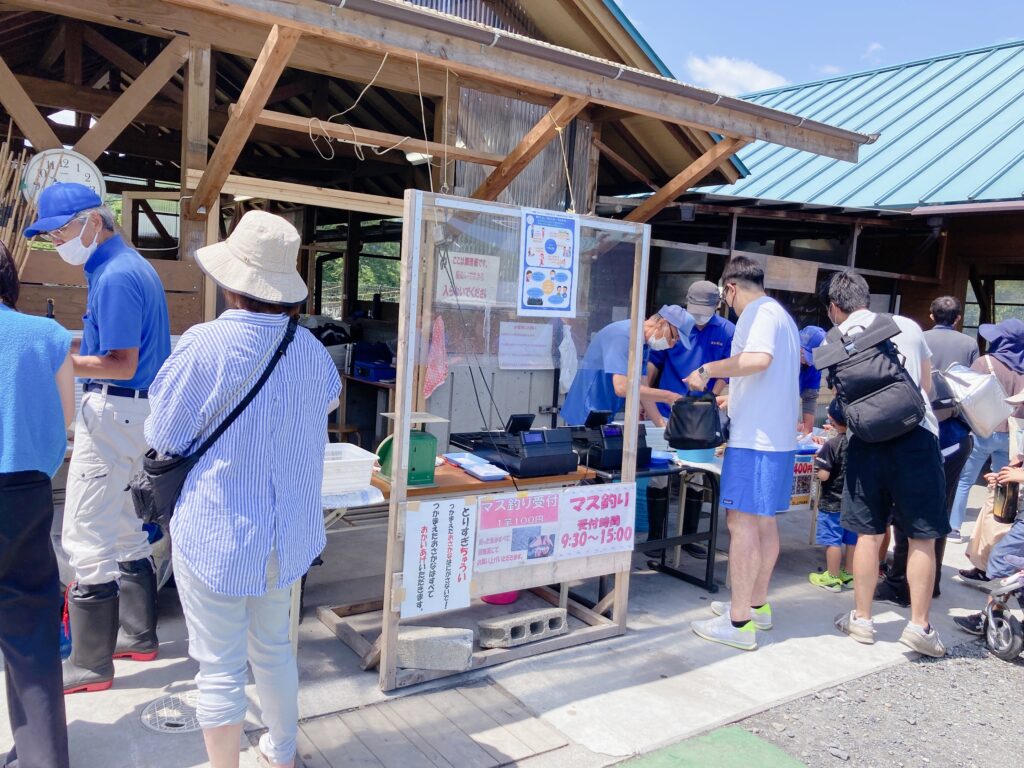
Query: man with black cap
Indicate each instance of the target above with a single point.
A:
(125, 340)
(710, 340)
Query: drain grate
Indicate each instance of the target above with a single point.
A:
(175, 713)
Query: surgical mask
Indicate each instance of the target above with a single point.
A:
(702, 319)
(75, 252)
(659, 344)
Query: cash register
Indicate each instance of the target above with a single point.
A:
(520, 449)
(599, 443)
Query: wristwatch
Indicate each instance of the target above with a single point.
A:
(704, 373)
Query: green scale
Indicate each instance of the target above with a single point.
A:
(422, 451)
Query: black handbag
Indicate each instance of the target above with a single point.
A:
(156, 487)
(695, 423)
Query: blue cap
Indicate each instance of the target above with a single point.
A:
(681, 319)
(59, 203)
(811, 338)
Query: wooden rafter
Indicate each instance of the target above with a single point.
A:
(261, 83)
(124, 61)
(24, 113)
(54, 48)
(687, 178)
(531, 145)
(130, 103)
(624, 164)
(367, 138)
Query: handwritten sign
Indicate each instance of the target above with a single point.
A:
(517, 529)
(468, 279)
(596, 520)
(525, 347)
(438, 557)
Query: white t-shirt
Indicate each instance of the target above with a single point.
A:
(764, 408)
(911, 343)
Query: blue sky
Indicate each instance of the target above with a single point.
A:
(745, 46)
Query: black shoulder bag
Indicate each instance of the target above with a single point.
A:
(696, 423)
(156, 487)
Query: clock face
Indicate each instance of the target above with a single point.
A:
(64, 165)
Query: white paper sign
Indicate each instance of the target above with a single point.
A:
(517, 529)
(596, 520)
(525, 347)
(468, 279)
(549, 265)
(438, 560)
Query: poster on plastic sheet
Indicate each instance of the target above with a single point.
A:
(516, 529)
(803, 479)
(549, 262)
(596, 520)
(468, 279)
(525, 347)
(438, 562)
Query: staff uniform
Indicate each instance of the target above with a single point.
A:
(709, 344)
(249, 521)
(32, 445)
(592, 389)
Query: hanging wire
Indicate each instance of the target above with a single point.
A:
(565, 163)
(444, 163)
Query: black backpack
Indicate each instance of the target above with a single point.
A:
(880, 398)
(696, 423)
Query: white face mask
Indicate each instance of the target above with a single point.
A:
(75, 252)
(702, 319)
(659, 344)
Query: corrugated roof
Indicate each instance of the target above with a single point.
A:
(951, 131)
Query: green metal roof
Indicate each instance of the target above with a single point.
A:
(951, 130)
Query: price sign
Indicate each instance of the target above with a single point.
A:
(596, 520)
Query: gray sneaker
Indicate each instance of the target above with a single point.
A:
(762, 617)
(861, 630)
(925, 643)
(721, 630)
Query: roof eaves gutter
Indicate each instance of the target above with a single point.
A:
(489, 37)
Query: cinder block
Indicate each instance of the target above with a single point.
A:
(520, 628)
(438, 648)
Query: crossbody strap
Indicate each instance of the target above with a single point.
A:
(289, 334)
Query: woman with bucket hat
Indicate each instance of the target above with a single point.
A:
(248, 523)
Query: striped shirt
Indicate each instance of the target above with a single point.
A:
(258, 487)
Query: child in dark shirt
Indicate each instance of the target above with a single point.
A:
(830, 465)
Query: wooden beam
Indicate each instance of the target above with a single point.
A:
(130, 103)
(687, 178)
(367, 138)
(54, 48)
(624, 164)
(299, 86)
(262, 80)
(24, 113)
(531, 145)
(124, 61)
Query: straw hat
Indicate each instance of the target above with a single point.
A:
(257, 260)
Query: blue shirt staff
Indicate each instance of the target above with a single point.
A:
(602, 380)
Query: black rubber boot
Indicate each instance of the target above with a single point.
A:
(657, 515)
(940, 552)
(136, 639)
(691, 521)
(92, 610)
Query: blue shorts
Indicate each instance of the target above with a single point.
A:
(757, 482)
(1012, 543)
(830, 533)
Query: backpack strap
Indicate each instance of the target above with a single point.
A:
(840, 346)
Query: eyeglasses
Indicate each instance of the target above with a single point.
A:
(58, 234)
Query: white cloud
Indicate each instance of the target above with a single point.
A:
(830, 69)
(871, 53)
(730, 76)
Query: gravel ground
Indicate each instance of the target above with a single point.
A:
(964, 710)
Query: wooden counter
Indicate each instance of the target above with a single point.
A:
(452, 481)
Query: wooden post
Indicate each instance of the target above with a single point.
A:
(195, 138)
(851, 257)
(269, 66)
(689, 176)
(350, 267)
(531, 145)
(593, 169)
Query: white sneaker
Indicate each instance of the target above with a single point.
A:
(925, 643)
(762, 617)
(721, 630)
(861, 630)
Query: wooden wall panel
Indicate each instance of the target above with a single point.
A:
(184, 309)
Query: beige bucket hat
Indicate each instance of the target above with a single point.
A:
(257, 260)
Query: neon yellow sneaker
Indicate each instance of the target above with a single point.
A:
(762, 617)
(847, 578)
(721, 630)
(826, 581)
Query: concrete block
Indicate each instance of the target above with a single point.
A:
(520, 628)
(438, 648)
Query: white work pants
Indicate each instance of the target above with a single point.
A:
(100, 525)
(220, 628)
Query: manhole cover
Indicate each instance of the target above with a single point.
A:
(175, 713)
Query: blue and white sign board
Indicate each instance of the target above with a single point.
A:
(549, 263)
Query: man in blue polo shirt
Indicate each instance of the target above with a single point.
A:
(125, 340)
(711, 340)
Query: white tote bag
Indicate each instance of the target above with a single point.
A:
(980, 398)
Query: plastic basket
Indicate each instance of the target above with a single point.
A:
(347, 468)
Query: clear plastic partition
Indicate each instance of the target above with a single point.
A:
(508, 302)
